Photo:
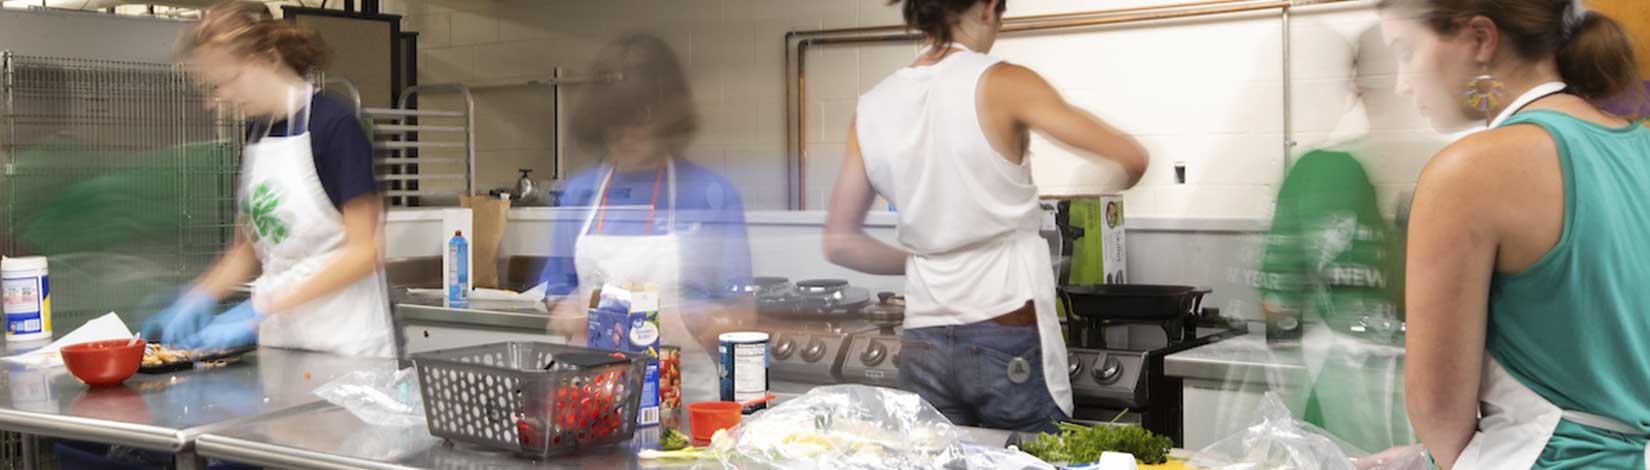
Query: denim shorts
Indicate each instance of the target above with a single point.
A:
(964, 371)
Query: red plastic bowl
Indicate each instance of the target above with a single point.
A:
(705, 418)
(103, 363)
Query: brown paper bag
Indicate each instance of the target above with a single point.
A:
(488, 216)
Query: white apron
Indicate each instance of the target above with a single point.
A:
(296, 231)
(1048, 323)
(657, 259)
(1516, 423)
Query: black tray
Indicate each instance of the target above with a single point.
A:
(190, 364)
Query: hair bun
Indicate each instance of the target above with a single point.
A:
(934, 18)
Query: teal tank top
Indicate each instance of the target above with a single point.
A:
(1575, 326)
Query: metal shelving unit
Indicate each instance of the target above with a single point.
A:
(120, 172)
(425, 156)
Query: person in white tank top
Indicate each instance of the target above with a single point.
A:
(944, 141)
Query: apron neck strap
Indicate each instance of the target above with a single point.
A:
(1538, 92)
(934, 48)
(598, 213)
(295, 126)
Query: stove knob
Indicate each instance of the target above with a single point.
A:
(1074, 365)
(874, 353)
(1108, 370)
(815, 350)
(783, 348)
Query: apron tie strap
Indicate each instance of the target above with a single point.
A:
(1601, 422)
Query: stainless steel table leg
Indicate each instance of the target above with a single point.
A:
(31, 451)
(187, 459)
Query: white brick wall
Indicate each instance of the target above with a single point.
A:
(1204, 91)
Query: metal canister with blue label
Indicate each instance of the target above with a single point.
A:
(743, 367)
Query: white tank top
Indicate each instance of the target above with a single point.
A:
(968, 216)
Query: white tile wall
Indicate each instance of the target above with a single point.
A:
(1207, 91)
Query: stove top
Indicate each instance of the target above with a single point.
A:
(826, 331)
(872, 358)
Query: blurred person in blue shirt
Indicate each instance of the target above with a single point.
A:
(646, 215)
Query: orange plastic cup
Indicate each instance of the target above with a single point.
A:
(705, 418)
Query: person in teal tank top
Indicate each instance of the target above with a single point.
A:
(1528, 272)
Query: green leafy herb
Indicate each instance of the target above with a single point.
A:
(1078, 444)
(673, 440)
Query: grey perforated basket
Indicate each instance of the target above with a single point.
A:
(512, 396)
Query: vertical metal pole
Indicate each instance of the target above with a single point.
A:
(187, 459)
(6, 149)
(555, 132)
(801, 172)
(31, 451)
(1288, 97)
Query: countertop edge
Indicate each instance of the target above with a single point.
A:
(412, 313)
(270, 455)
(114, 432)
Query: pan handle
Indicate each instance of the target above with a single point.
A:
(1195, 301)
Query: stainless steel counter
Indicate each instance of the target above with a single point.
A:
(1249, 357)
(510, 315)
(1244, 356)
(165, 412)
(330, 438)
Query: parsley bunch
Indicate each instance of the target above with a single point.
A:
(1078, 444)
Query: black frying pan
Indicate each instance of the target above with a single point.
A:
(1132, 301)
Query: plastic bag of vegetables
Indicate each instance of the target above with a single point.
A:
(855, 427)
(1278, 441)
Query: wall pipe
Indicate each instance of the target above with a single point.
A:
(798, 42)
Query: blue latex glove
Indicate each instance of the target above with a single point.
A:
(183, 319)
(235, 328)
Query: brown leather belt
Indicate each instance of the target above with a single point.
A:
(1023, 316)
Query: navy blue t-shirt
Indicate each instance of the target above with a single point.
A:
(343, 155)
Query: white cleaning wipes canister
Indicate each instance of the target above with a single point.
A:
(25, 290)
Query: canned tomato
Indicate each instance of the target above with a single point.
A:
(743, 367)
(670, 382)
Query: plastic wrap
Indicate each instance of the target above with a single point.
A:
(1277, 441)
(378, 397)
(856, 427)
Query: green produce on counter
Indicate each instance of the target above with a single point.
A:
(690, 453)
(673, 440)
(1077, 444)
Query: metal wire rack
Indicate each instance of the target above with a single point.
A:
(122, 173)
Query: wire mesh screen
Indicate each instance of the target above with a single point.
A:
(120, 172)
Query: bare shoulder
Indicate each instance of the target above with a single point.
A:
(1017, 90)
(1013, 79)
(1010, 71)
(1509, 147)
(1493, 166)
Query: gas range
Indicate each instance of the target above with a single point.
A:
(825, 331)
(808, 356)
(1116, 350)
(872, 358)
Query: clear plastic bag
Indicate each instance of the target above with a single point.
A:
(855, 427)
(1277, 441)
(378, 397)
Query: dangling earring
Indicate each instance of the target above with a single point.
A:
(1485, 94)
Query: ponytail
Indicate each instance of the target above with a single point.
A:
(1597, 60)
(1594, 54)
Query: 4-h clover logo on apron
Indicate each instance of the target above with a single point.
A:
(261, 209)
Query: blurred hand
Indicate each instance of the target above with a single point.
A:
(568, 320)
(183, 319)
(235, 328)
(1396, 458)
